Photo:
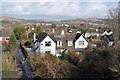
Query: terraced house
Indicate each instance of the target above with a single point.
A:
(56, 44)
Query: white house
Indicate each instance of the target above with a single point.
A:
(80, 41)
(56, 45)
(0, 38)
(87, 35)
(78, 32)
(109, 32)
(44, 43)
(70, 31)
(109, 37)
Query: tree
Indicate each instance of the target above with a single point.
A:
(20, 32)
(37, 31)
(53, 25)
(12, 43)
(30, 35)
(112, 19)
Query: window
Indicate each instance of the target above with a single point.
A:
(70, 43)
(81, 42)
(47, 51)
(7, 38)
(47, 43)
(59, 43)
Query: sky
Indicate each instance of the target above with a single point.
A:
(56, 9)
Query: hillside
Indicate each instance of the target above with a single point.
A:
(6, 30)
(13, 21)
(90, 21)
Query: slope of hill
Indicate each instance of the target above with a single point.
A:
(12, 21)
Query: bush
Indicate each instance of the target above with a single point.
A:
(65, 55)
(104, 53)
(20, 32)
(37, 31)
(48, 66)
(28, 44)
(5, 48)
(9, 61)
(12, 43)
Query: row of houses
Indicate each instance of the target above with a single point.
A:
(77, 41)
(48, 24)
(56, 44)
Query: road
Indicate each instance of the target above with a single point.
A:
(24, 65)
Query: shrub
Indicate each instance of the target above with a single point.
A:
(28, 44)
(9, 61)
(12, 43)
(49, 66)
(20, 32)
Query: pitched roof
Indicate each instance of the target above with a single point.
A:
(70, 36)
(41, 36)
(76, 37)
(57, 37)
(52, 38)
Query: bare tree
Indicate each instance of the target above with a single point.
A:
(112, 19)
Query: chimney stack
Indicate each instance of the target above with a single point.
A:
(34, 37)
(62, 33)
(53, 30)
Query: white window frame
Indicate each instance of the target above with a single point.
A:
(47, 43)
(59, 43)
(70, 43)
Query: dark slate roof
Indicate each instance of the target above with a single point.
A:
(76, 37)
(41, 36)
(52, 37)
(70, 36)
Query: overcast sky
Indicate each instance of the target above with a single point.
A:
(56, 9)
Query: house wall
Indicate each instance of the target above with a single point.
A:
(59, 52)
(70, 43)
(77, 44)
(42, 48)
(35, 46)
(0, 38)
(4, 41)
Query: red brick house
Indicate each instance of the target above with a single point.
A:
(5, 40)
